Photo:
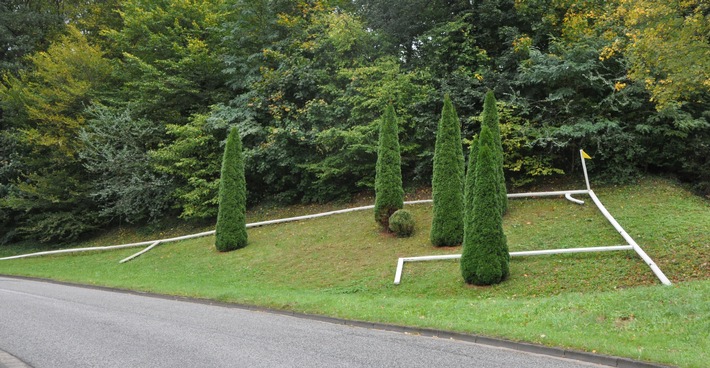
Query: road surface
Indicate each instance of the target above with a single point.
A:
(55, 326)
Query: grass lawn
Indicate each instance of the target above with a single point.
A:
(343, 266)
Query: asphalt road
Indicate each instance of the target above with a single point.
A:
(52, 325)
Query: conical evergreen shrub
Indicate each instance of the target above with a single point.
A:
(389, 195)
(470, 182)
(485, 258)
(447, 180)
(231, 231)
(491, 120)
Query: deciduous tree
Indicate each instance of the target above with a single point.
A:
(45, 108)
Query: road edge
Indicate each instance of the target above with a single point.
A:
(8, 360)
(607, 360)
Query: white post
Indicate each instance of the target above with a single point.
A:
(584, 168)
(398, 273)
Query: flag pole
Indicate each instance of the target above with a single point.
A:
(584, 168)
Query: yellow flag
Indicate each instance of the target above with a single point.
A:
(585, 155)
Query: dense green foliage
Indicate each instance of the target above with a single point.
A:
(610, 302)
(231, 230)
(470, 182)
(305, 82)
(447, 180)
(389, 195)
(490, 119)
(114, 152)
(485, 258)
(402, 223)
(193, 161)
(43, 109)
(25, 27)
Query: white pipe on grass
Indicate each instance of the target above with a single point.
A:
(420, 201)
(400, 261)
(571, 250)
(139, 253)
(306, 217)
(323, 214)
(661, 276)
(548, 194)
(575, 200)
(111, 247)
(192, 236)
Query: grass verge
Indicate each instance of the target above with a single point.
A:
(343, 266)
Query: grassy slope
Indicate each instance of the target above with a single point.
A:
(343, 266)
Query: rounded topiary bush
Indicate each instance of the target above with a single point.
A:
(402, 223)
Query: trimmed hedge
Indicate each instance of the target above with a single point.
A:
(447, 180)
(231, 231)
(402, 223)
(389, 195)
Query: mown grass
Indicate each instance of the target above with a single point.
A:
(343, 266)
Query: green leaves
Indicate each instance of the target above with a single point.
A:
(389, 195)
(45, 108)
(448, 180)
(490, 120)
(115, 153)
(305, 83)
(231, 231)
(53, 95)
(26, 28)
(192, 159)
(485, 257)
(170, 55)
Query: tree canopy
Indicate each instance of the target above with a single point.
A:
(90, 88)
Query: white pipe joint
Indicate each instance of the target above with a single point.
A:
(575, 200)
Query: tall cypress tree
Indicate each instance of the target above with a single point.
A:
(447, 180)
(485, 258)
(491, 120)
(231, 231)
(470, 183)
(468, 260)
(389, 195)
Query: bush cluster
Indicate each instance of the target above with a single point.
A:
(485, 258)
(402, 223)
